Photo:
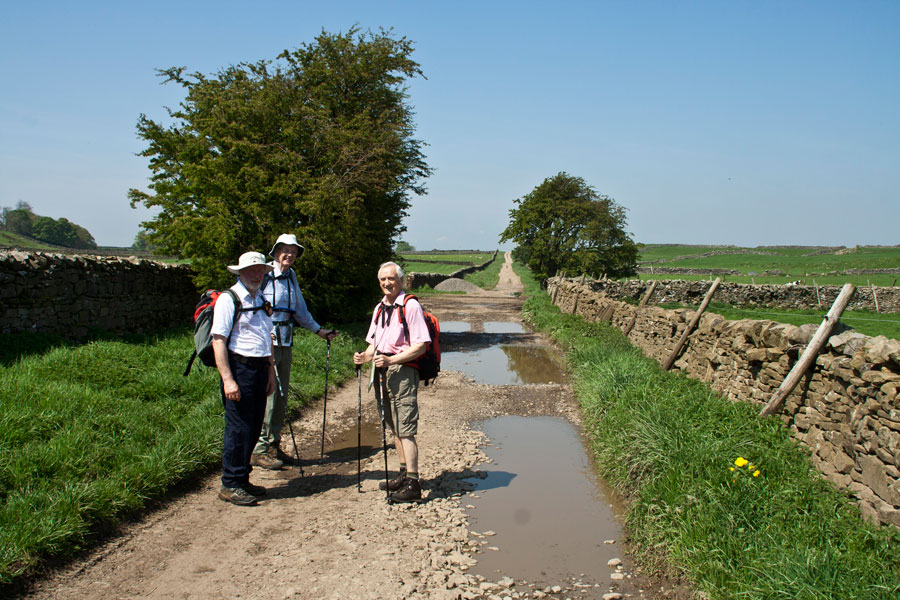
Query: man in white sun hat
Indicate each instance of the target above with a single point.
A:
(282, 290)
(243, 350)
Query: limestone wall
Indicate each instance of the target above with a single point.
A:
(747, 295)
(417, 280)
(69, 294)
(846, 410)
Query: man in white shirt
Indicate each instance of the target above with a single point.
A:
(243, 351)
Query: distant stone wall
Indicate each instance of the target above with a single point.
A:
(416, 280)
(70, 294)
(747, 295)
(846, 409)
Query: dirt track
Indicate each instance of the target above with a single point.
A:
(318, 537)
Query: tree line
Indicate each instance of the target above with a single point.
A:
(22, 220)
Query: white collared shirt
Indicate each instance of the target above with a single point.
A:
(251, 334)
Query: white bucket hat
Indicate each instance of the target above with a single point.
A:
(249, 259)
(287, 239)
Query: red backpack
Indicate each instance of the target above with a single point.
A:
(429, 364)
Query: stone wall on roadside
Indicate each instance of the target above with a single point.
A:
(416, 280)
(846, 408)
(69, 294)
(748, 295)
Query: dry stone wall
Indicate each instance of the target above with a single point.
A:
(747, 295)
(846, 409)
(70, 295)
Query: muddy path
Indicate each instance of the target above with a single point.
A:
(318, 536)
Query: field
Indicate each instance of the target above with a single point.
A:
(444, 263)
(809, 264)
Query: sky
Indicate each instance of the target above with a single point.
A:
(719, 122)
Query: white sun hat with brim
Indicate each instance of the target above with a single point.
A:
(287, 239)
(250, 259)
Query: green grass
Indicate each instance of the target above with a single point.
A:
(864, 321)
(794, 262)
(666, 442)
(474, 258)
(489, 277)
(8, 238)
(91, 433)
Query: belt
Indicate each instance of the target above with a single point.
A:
(254, 362)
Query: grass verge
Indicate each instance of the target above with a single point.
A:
(489, 277)
(91, 433)
(669, 445)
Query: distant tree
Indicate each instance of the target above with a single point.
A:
(318, 144)
(142, 242)
(19, 221)
(564, 224)
(404, 247)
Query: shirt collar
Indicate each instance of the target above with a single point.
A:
(242, 291)
(397, 301)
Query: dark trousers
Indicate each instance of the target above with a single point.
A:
(243, 421)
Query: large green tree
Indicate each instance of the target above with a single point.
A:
(565, 224)
(318, 142)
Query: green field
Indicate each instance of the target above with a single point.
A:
(811, 265)
(411, 262)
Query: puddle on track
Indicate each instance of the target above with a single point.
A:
(506, 365)
(542, 499)
(455, 327)
(503, 327)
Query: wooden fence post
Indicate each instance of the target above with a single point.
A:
(810, 353)
(643, 303)
(875, 296)
(818, 298)
(690, 328)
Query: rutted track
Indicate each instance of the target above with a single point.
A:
(316, 536)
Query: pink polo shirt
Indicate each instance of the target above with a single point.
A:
(391, 339)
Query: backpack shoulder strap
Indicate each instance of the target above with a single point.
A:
(238, 309)
(402, 307)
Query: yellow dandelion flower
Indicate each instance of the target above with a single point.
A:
(756, 473)
(750, 467)
(731, 468)
(741, 461)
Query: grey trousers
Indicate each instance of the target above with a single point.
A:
(276, 404)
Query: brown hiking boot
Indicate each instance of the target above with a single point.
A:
(237, 496)
(284, 458)
(410, 492)
(265, 461)
(394, 484)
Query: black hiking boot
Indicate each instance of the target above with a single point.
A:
(410, 492)
(237, 496)
(394, 484)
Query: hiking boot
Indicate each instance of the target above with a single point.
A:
(394, 484)
(237, 496)
(265, 461)
(254, 490)
(410, 492)
(284, 458)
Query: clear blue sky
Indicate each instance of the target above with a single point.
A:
(729, 122)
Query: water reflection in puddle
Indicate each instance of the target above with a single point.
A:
(455, 327)
(543, 502)
(503, 327)
(506, 365)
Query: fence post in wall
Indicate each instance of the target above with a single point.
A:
(642, 304)
(575, 304)
(690, 328)
(875, 296)
(808, 358)
(818, 298)
(583, 275)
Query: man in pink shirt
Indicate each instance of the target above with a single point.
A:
(391, 346)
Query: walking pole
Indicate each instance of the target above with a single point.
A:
(288, 419)
(359, 428)
(325, 401)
